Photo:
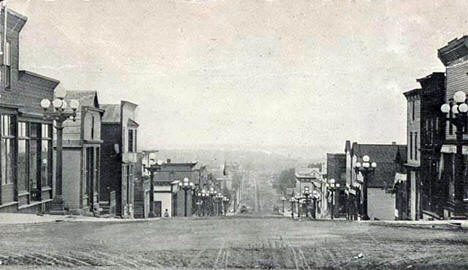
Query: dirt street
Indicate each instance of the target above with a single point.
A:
(230, 243)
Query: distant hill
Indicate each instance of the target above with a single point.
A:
(255, 160)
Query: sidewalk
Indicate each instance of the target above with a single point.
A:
(429, 224)
(14, 218)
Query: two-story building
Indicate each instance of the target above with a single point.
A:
(425, 134)
(119, 157)
(81, 155)
(26, 153)
(455, 58)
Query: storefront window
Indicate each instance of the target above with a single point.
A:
(7, 149)
(34, 156)
(46, 157)
(23, 156)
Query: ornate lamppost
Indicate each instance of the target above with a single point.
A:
(59, 114)
(225, 204)
(292, 201)
(153, 168)
(186, 185)
(283, 200)
(306, 194)
(365, 168)
(456, 114)
(333, 187)
(315, 197)
(212, 193)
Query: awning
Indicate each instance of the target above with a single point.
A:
(451, 148)
(399, 178)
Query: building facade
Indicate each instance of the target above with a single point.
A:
(81, 155)
(336, 169)
(26, 151)
(119, 156)
(455, 58)
(381, 201)
(425, 134)
(167, 195)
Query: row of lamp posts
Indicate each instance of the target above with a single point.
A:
(366, 167)
(211, 202)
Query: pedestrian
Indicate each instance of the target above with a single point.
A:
(166, 213)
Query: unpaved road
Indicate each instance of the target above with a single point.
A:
(230, 243)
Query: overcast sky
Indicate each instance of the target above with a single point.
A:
(298, 73)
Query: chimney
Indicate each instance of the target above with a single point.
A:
(393, 143)
(168, 160)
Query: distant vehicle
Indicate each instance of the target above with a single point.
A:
(244, 209)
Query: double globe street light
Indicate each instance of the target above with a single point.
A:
(186, 185)
(333, 187)
(456, 114)
(59, 114)
(365, 168)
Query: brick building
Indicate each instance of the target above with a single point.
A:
(26, 154)
(425, 134)
(119, 156)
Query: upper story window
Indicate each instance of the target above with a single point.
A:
(92, 127)
(413, 109)
(132, 146)
(7, 60)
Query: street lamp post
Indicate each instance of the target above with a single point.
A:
(457, 116)
(315, 197)
(365, 168)
(153, 168)
(298, 204)
(357, 187)
(59, 114)
(333, 187)
(186, 185)
(292, 201)
(204, 196)
(283, 200)
(225, 204)
(212, 194)
(306, 194)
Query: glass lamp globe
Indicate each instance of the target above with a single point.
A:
(74, 104)
(337, 185)
(185, 180)
(445, 108)
(463, 108)
(45, 103)
(459, 96)
(374, 165)
(159, 162)
(57, 103)
(366, 165)
(64, 104)
(60, 92)
(455, 108)
(358, 164)
(332, 181)
(366, 158)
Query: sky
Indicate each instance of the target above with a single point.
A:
(276, 74)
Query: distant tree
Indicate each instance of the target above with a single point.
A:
(315, 165)
(285, 180)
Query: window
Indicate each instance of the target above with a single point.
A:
(34, 158)
(415, 146)
(46, 155)
(411, 145)
(413, 109)
(7, 149)
(132, 140)
(23, 156)
(92, 127)
(7, 65)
